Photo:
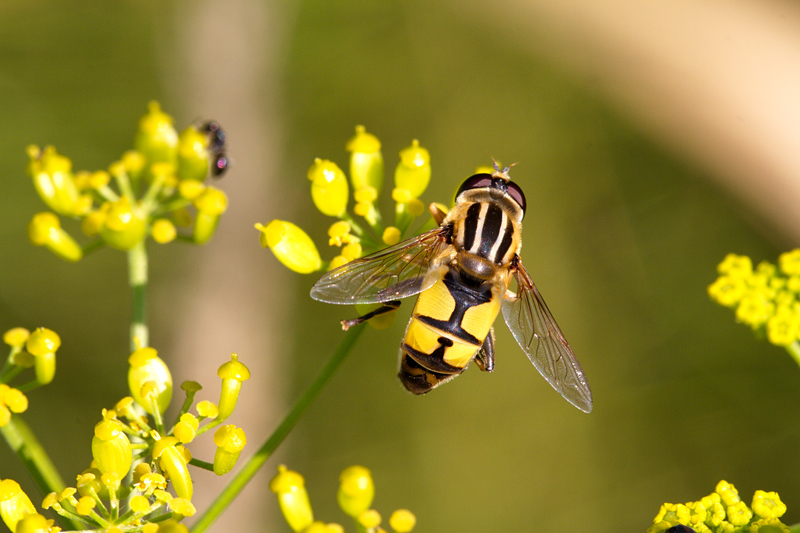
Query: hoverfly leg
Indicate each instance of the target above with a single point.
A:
(437, 214)
(387, 307)
(485, 357)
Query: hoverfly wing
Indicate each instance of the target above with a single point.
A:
(537, 333)
(402, 270)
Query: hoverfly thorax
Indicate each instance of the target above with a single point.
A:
(487, 223)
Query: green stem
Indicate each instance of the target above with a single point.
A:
(257, 461)
(137, 278)
(23, 441)
(794, 351)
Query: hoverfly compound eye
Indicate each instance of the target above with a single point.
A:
(476, 181)
(516, 193)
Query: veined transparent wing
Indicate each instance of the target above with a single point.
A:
(537, 333)
(402, 270)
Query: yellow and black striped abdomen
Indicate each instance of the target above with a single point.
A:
(449, 324)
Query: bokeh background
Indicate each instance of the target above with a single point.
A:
(652, 138)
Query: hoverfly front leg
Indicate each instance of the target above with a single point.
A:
(485, 357)
(385, 308)
(437, 214)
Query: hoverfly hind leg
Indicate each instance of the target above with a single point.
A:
(485, 356)
(387, 307)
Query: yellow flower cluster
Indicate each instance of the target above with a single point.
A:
(36, 350)
(766, 298)
(723, 511)
(139, 473)
(156, 184)
(330, 192)
(355, 495)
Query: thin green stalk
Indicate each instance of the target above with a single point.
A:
(23, 441)
(257, 461)
(794, 351)
(137, 278)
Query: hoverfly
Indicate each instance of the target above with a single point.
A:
(461, 271)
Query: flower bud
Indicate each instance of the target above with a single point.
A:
(369, 519)
(16, 337)
(356, 490)
(291, 245)
(53, 180)
(163, 231)
(14, 503)
(156, 138)
(233, 373)
(43, 344)
(45, 230)
(402, 521)
(11, 401)
(329, 188)
(146, 367)
(207, 409)
(123, 226)
(293, 498)
(366, 161)
(391, 236)
(186, 429)
(111, 448)
(174, 464)
(210, 205)
(413, 172)
(193, 154)
(230, 441)
(33, 523)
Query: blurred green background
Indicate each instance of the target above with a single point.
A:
(623, 233)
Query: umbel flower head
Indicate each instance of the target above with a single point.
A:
(355, 495)
(140, 478)
(723, 511)
(362, 230)
(766, 298)
(148, 192)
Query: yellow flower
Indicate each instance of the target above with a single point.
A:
(230, 442)
(727, 290)
(768, 505)
(402, 521)
(111, 448)
(174, 464)
(45, 230)
(783, 327)
(737, 266)
(14, 503)
(790, 262)
(754, 310)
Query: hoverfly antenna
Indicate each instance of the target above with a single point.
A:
(505, 170)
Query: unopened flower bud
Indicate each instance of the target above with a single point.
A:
(230, 442)
(413, 172)
(291, 245)
(111, 448)
(53, 180)
(329, 188)
(44, 229)
(14, 503)
(233, 373)
(293, 498)
(193, 154)
(43, 344)
(210, 205)
(356, 490)
(174, 464)
(156, 138)
(146, 367)
(366, 161)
